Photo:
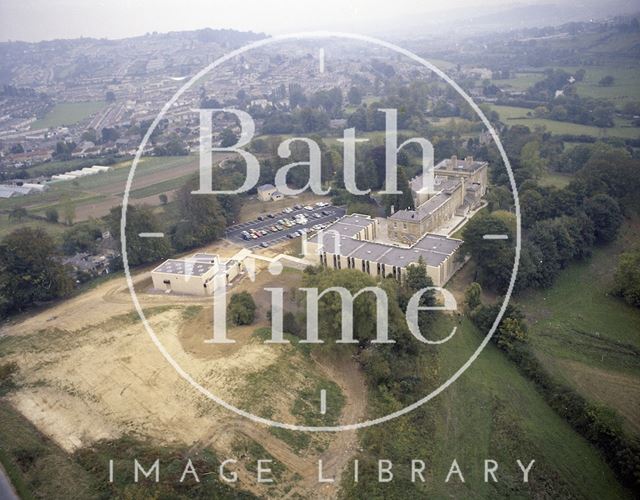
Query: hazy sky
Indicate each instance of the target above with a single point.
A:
(34, 20)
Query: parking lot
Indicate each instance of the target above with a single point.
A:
(317, 215)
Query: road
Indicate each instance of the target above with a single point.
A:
(234, 233)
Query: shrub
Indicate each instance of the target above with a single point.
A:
(241, 309)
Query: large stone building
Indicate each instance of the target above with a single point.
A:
(348, 244)
(458, 187)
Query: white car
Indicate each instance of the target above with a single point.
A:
(287, 210)
(308, 207)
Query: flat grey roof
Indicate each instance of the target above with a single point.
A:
(204, 257)
(434, 249)
(460, 166)
(184, 267)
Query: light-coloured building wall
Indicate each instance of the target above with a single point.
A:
(185, 284)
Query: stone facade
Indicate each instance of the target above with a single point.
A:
(459, 186)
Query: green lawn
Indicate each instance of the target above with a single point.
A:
(492, 411)
(625, 86)
(512, 115)
(88, 190)
(520, 82)
(68, 113)
(555, 179)
(587, 337)
(7, 226)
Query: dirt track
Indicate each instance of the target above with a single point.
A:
(89, 371)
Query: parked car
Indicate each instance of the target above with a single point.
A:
(317, 215)
(291, 236)
(264, 244)
(326, 212)
(308, 207)
(260, 217)
(271, 216)
(298, 207)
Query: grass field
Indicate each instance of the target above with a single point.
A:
(7, 226)
(93, 196)
(520, 82)
(588, 338)
(68, 113)
(493, 411)
(625, 86)
(555, 179)
(511, 115)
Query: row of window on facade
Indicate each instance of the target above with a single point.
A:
(381, 269)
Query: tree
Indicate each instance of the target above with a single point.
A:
(90, 135)
(606, 81)
(30, 270)
(164, 199)
(627, 277)
(417, 279)
(241, 309)
(472, 296)
(173, 147)
(512, 330)
(52, 215)
(494, 258)
(68, 210)
(110, 134)
(140, 219)
(531, 160)
(110, 96)
(81, 238)
(354, 96)
(329, 308)
(64, 150)
(606, 215)
(202, 218)
(401, 201)
(17, 214)
(228, 138)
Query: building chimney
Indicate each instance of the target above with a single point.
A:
(454, 161)
(468, 161)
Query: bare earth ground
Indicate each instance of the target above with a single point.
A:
(89, 371)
